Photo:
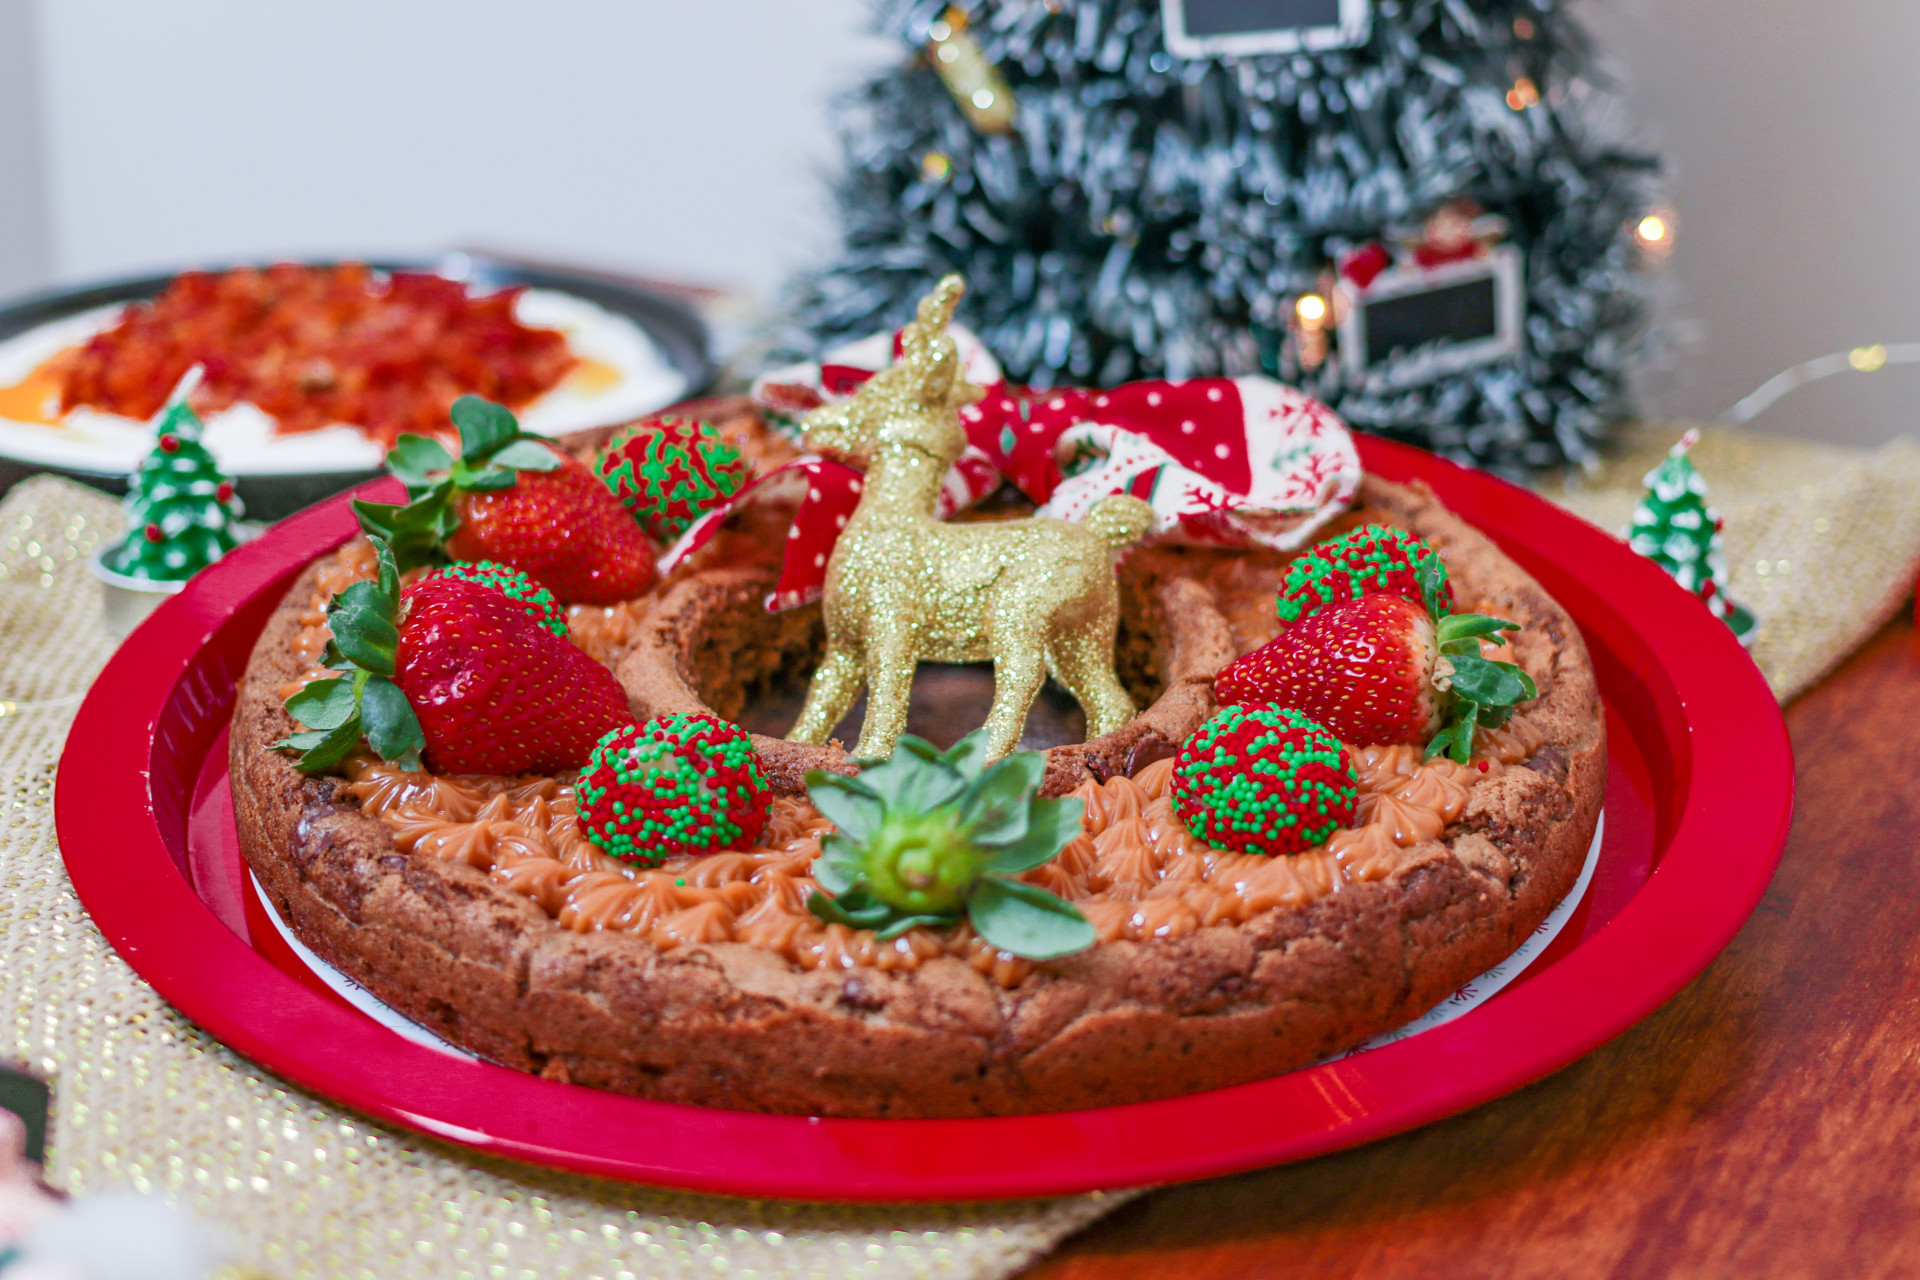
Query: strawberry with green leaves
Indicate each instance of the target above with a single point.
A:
(455, 675)
(1380, 670)
(513, 498)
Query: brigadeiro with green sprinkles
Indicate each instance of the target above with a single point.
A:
(1370, 560)
(678, 784)
(670, 471)
(515, 585)
(1263, 780)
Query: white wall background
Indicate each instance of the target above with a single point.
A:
(685, 138)
(672, 136)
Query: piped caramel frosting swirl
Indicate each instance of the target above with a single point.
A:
(1135, 870)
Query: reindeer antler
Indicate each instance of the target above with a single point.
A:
(933, 315)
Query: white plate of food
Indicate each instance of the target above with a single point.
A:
(313, 369)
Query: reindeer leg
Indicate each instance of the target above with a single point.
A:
(1084, 667)
(892, 654)
(1018, 673)
(836, 683)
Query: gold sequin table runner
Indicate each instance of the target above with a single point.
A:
(1822, 542)
(299, 1187)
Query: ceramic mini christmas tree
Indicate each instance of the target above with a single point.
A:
(181, 511)
(1675, 528)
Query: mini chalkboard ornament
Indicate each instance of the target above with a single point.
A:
(1675, 528)
(1036, 596)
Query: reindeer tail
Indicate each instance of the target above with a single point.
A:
(1119, 520)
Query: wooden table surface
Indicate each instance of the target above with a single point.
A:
(1763, 1123)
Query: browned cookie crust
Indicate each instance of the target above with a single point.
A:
(734, 1025)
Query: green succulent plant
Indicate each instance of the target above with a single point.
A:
(931, 837)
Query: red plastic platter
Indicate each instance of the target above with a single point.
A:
(1699, 795)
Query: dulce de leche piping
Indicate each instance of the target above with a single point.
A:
(1135, 871)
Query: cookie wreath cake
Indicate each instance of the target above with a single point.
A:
(487, 765)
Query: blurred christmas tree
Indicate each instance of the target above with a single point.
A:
(181, 511)
(1120, 212)
(1675, 528)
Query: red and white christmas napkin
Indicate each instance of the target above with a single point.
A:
(1222, 461)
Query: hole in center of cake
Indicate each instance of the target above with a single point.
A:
(950, 700)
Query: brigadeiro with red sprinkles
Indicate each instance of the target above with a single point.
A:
(670, 471)
(1263, 780)
(678, 784)
(1372, 559)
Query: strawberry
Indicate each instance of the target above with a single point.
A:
(512, 498)
(453, 674)
(1380, 670)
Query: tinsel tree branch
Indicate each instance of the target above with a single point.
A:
(1151, 216)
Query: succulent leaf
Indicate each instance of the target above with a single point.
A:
(1027, 920)
(968, 756)
(927, 837)
(846, 803)
(995, 808)
(1051, 826)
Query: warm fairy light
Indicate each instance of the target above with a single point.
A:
(1523, 94)
(939, 31)
(983, 98)
(935, 166)
(1523, 27)
(1654, 232)
(1867, 359)
(1311, 308)
(948, 53)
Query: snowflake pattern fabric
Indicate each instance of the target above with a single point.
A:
(1222, 461)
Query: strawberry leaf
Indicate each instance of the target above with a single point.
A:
(527, 454)
(393, 731)
(322, 750)
(324, 704)
(415, 460)
(416, 531)
(387, 575)
(1433, 584)
(1492, 684)
(1465, 626)
(484, 426)
(1027, 920)
(485, 479)
(362, 623)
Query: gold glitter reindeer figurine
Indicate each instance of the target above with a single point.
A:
(1035, 595)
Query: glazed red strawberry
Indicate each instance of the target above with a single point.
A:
(1380, 670)
(495, 692)
(563, 529)
(454, 674)
(514, 499)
